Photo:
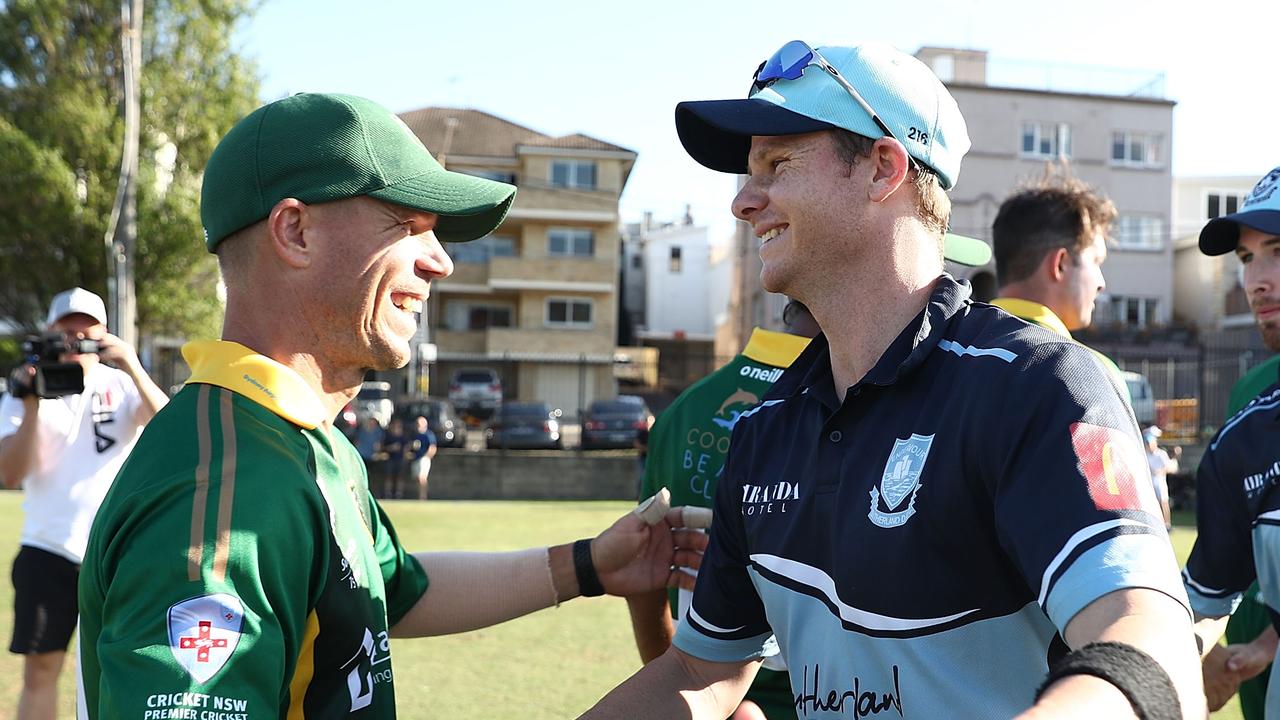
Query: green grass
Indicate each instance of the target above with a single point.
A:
(552, 664)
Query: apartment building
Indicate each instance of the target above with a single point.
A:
(1207, 290)
(1113, 128)
(675, 292)
(536, 300)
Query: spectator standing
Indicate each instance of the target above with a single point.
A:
(395, 444)
(64, 452)
(421, 451)
(1161, 464)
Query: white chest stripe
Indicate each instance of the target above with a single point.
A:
(820, 581)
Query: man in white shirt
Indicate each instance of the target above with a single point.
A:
(64, 452)
(1161, 465)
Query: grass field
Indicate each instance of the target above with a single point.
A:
(553, 664)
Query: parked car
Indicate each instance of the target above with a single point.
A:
(374, 400)
(442, 418)
(524, 425)
(1142, 398)
(476, 391)
(347, 422)
(614, 423)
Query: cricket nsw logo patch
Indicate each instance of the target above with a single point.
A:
(204, 632)
(900, 480)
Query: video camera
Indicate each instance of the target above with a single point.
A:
(52, 379)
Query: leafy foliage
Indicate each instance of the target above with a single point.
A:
(61, 132)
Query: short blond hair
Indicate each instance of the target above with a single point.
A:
(933, 205)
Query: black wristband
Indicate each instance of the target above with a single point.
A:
(1136, 674)
(588, 581)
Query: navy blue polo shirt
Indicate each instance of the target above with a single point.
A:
(917, 548)
(1238, 517)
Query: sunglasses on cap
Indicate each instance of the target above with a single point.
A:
(790, 62)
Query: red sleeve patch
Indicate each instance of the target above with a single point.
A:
(1113, 466)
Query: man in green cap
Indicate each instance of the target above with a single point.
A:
(239, 568)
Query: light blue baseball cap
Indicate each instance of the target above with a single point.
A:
(902, 91)
(1260, 211)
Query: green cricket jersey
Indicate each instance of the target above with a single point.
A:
(687, 449)
(239, 568)
(1253, 383)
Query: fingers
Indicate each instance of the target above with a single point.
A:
(653, 510)
(687, 559)
(695, 517)
(681, 580)
(690, 539)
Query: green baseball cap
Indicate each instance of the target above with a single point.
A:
(321, 147)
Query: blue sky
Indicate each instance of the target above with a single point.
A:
(615, 71)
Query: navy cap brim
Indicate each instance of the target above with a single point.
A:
(1221, 235)
(717, 133)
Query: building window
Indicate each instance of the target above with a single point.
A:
(1046, 140)
(1221, 203)
(1138, 312)
(482, 250)
(576, 174)
(573, 242)
(1138, 149)
(637, 261)
(568, 312)
(1139, 232)
(477, 316)
(676, 261)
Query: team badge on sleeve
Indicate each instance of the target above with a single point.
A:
(203, 632)
(1113, 466)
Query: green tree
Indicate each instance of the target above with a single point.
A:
(61, 132)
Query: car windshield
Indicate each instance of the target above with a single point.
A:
(615, 407)
(475, 376)
(373, 393)
(524, 410)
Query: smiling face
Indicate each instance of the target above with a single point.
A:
(1259, 252)
(372, 274)
(799, 200)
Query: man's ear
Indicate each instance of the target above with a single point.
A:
(1057, 261)
(286, 231)
(890, 166)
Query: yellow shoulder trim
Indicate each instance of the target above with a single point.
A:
(775, 348)
(235, 367)
(1032, 312)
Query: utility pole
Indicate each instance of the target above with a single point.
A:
(122, 233)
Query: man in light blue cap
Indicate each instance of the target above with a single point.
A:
(938, 508)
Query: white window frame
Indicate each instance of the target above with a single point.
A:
(1060, 138)
(1239, 195)
(571, 242)
(574, 171)
(1152, 149)
(569, 323)
(675, 262)
(1148, 233)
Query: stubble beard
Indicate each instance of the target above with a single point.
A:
(1270, 335)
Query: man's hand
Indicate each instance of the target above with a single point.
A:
(1220, 682)
(1248, 660)
(633, 557)
(112, 349)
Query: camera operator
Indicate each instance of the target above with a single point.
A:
(64, 451)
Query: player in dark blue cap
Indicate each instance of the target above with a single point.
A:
(938, 508)
(1237, 505)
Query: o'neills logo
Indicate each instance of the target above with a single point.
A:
(766, 499)
(769, 376)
